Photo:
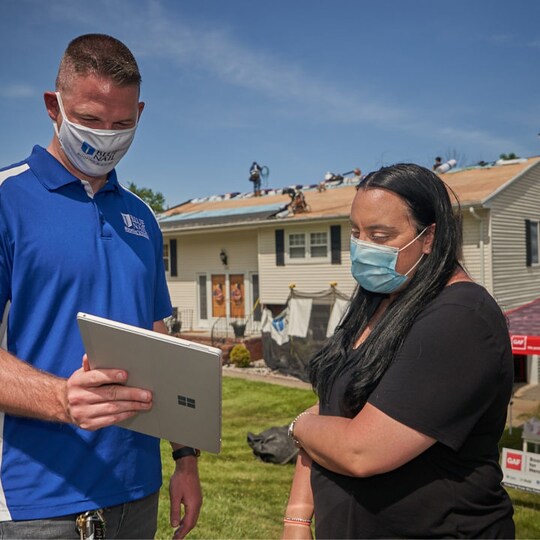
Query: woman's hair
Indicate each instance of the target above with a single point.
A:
(100, 55)
(427, 197)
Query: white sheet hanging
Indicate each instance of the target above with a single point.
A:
(299, 316)
(338, 310)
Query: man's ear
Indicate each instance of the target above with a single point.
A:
(51, 104)
(429, 237)
(141, 109)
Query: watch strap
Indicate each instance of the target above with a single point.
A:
(179, 453)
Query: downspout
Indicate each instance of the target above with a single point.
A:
(482, 258)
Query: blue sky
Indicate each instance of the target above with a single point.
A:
(302, 86)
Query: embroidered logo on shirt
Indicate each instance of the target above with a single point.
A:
(134, 225)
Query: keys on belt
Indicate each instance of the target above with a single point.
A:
(91, 525)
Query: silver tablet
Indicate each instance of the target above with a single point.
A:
(184, 377)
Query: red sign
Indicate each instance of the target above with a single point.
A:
(525, 344)
(514, 461)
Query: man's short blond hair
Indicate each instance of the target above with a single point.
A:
(100, 55)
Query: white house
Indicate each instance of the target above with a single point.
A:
(227, 254)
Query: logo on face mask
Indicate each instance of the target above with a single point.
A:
(134, 225)
(87, 149)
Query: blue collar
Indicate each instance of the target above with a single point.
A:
(53, 175)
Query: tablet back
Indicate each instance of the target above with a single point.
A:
(184, 377)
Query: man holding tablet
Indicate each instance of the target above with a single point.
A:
(73, 239)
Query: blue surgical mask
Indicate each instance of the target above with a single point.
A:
(374, 266)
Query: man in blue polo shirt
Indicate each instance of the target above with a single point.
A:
(73, 239)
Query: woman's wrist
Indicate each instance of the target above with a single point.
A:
(292, 520)
(292, 425)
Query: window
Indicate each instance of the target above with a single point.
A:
(308, 246)
(166, 257)
(297, 246)
(203, 298)
(316, 247)
(318, 243)
(531, 239)
(257, 314)
(170, 258)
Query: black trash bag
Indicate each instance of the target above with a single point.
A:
(273, 445)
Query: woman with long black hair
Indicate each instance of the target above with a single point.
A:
(413, 387)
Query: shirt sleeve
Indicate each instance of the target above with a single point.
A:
(447, 373)
(5, 264)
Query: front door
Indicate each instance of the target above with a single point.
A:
(237, 296)
(219, 307)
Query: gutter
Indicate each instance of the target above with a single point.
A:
(239, 225)
(482, 245)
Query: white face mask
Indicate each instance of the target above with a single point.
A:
(94, 152)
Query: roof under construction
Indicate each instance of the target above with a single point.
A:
(473, 186)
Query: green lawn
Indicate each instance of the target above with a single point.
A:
(244, 497)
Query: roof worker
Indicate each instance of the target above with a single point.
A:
(73, 239)
(255, 177)
(357, 175)
(413, 387)
(437, 164)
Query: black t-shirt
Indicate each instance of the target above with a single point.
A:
(452, 380)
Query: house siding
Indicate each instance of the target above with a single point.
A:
(515, 283)
(306, 276)
(477, 246)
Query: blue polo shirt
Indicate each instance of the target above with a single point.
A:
(61, 252)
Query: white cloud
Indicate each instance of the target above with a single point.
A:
(192, 45)
(195, 46)
(17, 91)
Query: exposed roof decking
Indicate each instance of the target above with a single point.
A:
(476, 185)
(473, 186)
(332, 202)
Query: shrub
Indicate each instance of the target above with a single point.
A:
(240, 356)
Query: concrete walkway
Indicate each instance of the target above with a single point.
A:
(270, 377)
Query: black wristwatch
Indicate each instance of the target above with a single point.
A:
(185, 451)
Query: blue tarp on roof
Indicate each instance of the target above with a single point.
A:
(226, 212)
(221, 217)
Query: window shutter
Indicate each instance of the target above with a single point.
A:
(172, 255)
(280, 247)
(528, 242)
(335, 243)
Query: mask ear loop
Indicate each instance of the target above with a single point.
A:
(414, 239)
(414, 265)
(421, 256)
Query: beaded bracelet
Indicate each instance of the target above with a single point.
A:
(297, 521)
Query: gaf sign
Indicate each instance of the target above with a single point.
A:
(521, 470)
(519, 343)
(525, 344)
(514, 461)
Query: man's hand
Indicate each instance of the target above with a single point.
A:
(98, 398)
(185, 490)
